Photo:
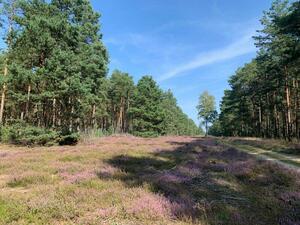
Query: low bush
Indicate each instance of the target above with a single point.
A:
(20, 133)
(69, 139)
(146, 134)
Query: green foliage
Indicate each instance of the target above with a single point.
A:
(57, 79)
(207, 109)
(10, 211)
(58, 63)
(216, 129)
(264, 96)
(20, 133)
(23, 134)
(69, 139)
(121, 96)
(155, 112)
(147, 110)
(175, 121)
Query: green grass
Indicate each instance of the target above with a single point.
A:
(71, 158)
(29, 180)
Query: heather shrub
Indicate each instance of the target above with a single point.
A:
(150, 205)
(278, 176)
(29, 179)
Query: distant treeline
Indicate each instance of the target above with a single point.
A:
(54, 76)
(264, 100)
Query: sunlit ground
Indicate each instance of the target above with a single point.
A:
(128, 180)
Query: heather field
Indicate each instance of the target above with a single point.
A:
(129, 180)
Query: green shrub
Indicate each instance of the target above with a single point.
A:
(146, 134)
(69, 139)
(20, 133)
(4, 134)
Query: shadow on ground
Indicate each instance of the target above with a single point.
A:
(205, 181)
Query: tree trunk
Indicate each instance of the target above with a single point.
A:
(22, 115)
(10, 27)
(288, 105)
(260, 120)
(54, 113)
(94, 117)
(3, 93)
(120, 117)
(206, 128)
(297, 110)
(28, 102)
(71, 116)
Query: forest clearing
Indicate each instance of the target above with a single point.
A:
(130, 180)
(149, 112)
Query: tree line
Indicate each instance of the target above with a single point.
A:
(54, 76)
(264, 99)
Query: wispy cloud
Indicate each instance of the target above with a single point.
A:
(241, 47)
(146, 42)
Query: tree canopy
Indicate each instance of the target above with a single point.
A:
(207, 109)
(56, 76)
(264, 99)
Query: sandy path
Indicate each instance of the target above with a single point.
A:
(291, 162)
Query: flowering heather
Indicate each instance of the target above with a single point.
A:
(190, 169)
(183, 208)
(290, 196)
(77, 176)
(173, 177)
(232, 153)
(218, 166)
(4, 154)
(150, 204)
(129, 180)
(104, 213)
(28, 178)
(242, 168)
(107, 171)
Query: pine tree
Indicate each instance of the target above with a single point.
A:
(175, 121)
(7, 15)
(60, 62)
(147, 110)
(264, 96)
(121, 94)
(54, 77)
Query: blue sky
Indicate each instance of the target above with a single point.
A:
(187, 46)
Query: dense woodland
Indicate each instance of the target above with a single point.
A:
(55, 83)
(54, 77)
(264, 99)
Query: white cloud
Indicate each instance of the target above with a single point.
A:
(241, 47)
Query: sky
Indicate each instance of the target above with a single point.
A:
(188, 46)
